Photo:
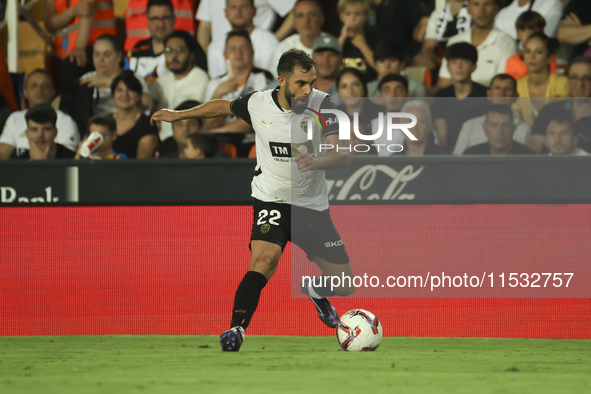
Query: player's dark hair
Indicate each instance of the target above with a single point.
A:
(38, 71)
(396, 78)
(41, 114)
(241, 33)
(165, 3)
(356, 73)
(190, 42)
(561, 117)
(129, 79)
(111, 39)
(292, 59)
(104, 119)
(499, 109)
(530, 20)
(462, 50)
(188, 105)
(388, 50)
(504, 77)
(206, 142)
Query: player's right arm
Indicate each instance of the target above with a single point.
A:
(211, 109)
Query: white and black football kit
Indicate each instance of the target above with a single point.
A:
(291, 205)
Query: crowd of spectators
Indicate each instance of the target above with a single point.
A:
(480, 76)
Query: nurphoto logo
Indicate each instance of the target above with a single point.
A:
(387, 122)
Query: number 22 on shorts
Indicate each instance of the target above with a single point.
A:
(274, 215)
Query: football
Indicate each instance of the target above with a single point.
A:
(359, 330)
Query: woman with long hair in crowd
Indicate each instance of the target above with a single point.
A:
(352, 91)
(136, 137)
(107, 57)
(540, 86)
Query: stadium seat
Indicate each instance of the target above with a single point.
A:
(229, 149)
(252, 154)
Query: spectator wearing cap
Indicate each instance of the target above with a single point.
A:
(327, 53)
(307, 21)
(240, 14)
(499, 129)
(389, 59)
(502, 91)
(494, 47)
(38, 89)
(578, 105)
(561, 139)
(185, 81)
(459, 102)
(41, 132)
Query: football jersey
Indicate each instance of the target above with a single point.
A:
(280, 136)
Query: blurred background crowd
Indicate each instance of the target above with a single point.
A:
(481, 76)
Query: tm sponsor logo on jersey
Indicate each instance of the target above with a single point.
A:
(281, 151)
(386, 123)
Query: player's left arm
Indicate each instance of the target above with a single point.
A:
(339, 154)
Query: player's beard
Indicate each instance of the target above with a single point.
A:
(297, 107)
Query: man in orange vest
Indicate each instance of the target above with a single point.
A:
(147, 56)
(137, 26)
(76, 24)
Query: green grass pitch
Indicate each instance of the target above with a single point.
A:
(195, 364)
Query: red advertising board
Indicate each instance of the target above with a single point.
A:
(174, 270)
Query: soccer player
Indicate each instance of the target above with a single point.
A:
(283, 185)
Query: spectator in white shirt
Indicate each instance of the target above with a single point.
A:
(240, 14)
(241, 78)
(551, 10)
(38, 89)
(147, 56)
(214, 26)
(502, 90)
(307, 20)
(185, 81)
(494, 47)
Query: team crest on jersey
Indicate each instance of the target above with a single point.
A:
(265, 228)
(304, 125)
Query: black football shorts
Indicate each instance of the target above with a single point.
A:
(311, 230)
